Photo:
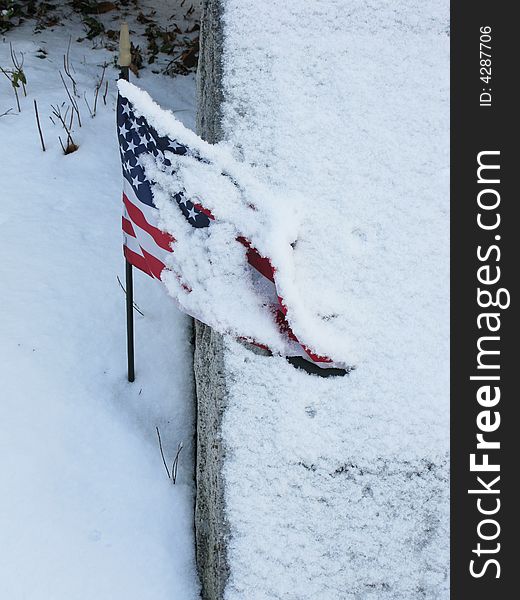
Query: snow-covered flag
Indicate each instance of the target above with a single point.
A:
(144, 244)
(154, 179)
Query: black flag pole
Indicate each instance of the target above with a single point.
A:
(125, 59)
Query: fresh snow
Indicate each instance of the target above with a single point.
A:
(86, 509)
(338, 489)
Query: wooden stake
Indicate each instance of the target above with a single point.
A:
(125, 54)
(124, 61)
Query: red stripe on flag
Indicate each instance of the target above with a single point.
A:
(261, 264)
(286, 328)
(204, 211)
(283, 308)
(136, 260)
(264, 266)
(161, 238)
(315, 357)
(127, 227)
(257, 344)
(154, 264)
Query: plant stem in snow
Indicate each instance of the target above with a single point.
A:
(88, 105)
(38, 123)
(18, 72)
(98, 87)
(66, 68)
(10, 76)
(162, 453)
(71, 146)
(175, 464)
(72, 100)
(105, 94)
(136, 307)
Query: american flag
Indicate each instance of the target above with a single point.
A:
(146, 246)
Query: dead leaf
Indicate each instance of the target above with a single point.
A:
(103, 7)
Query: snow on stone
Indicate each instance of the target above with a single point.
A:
(338, 488)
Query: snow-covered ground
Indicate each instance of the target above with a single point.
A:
(86, 508)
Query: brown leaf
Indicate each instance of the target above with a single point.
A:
(190, 57)
(142, 19)
(103, 7)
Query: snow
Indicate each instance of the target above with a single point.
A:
(338, 488)
(87, 510)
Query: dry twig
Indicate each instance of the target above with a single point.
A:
(38, 123)
(105, 94)
(98, 85)
(162, 453)
(67, 68)
(73, 101)
(175, 464)
(136, 307)
(11, 76)
(62, 118)
(18, 67)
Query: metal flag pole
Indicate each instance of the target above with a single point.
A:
(125, 58)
